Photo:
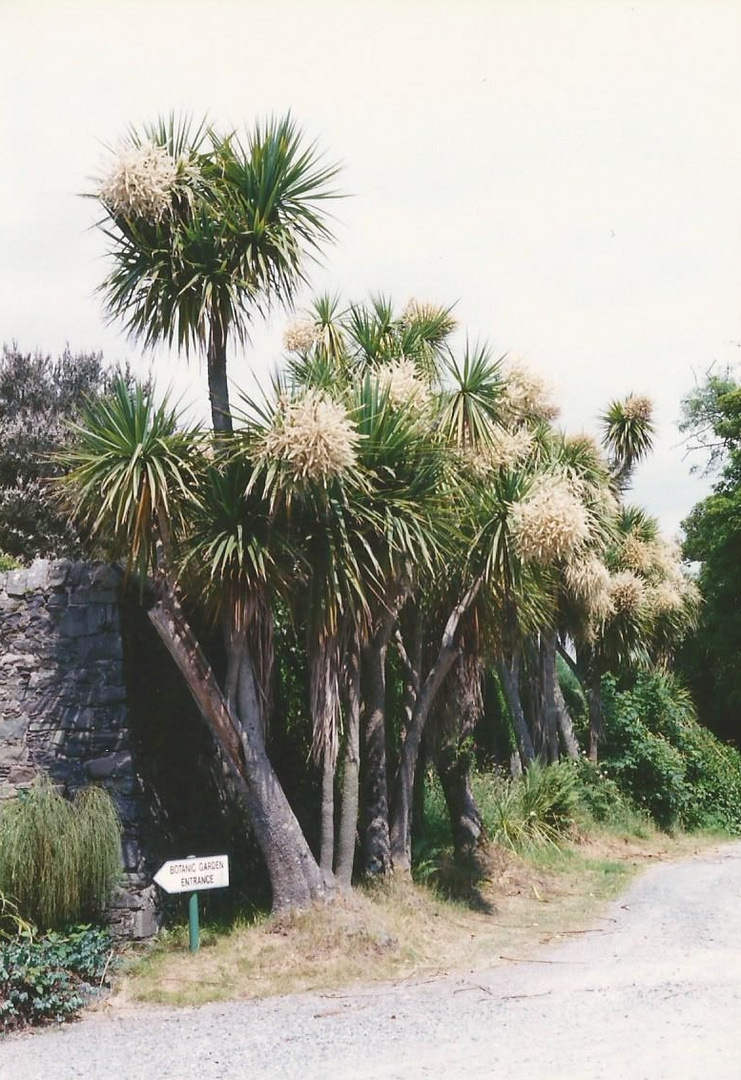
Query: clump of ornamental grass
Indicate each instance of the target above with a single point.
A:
(140, 182)
(313, 436)
(59, 860)
(532, 811)
(551, 523)
(99, 839)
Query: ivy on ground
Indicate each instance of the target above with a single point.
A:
(52, 977)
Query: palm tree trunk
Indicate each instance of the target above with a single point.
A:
(326, 848)
(549, 679)
(377, 843)
(565, 723)
(218, 385)
(401, 825)
(594, 697)
(454, 770)
(351, 774)
(509, 672)
(295, 877)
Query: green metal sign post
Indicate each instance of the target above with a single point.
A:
(193, 922)
(192, 875)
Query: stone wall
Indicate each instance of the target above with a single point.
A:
(63, 705)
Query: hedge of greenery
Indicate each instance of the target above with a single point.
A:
(658, 754)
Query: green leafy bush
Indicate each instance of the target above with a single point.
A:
(657, 753)
(59, 860)
(51, 978)
(603, 801)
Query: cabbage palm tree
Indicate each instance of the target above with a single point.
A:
(387, 364)
(205, 230)
(191, 519)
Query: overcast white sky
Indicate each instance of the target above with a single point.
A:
(567, 171)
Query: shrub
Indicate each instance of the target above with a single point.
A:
(603, 801)
(59, 860)
(50, 978)
(658, 753)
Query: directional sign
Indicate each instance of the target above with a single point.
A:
(193, 875)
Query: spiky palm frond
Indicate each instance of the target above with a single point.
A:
(407, 515)
(471, 403)
(132, 472)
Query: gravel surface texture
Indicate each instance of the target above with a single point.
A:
(652, 992)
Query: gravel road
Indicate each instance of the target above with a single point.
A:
(653, 992)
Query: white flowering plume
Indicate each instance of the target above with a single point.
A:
(588, 581)
(140, 182)
(314, 436)
(664, 598)
(527, 395)
(423, 309)
(551, 523)
(507, 450)
(627, 592)
(401, 381)
(638, 407)
(636, 554)
(301, 335)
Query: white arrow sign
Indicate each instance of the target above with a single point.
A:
(193, 875)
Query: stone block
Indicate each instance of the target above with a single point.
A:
(57, 600)
(15, 582)
(12, 753)
(131, 854)
(101, 647)
(105, 576)
(114, 764)
(21, 774)
(58, 573)
(12, 728)
(78, 622)
(38, 575)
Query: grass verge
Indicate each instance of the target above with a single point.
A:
(401, 930)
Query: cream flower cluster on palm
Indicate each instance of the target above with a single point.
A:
(401, 381)
(314, 436)
(527, 395)
(300, 335)
(627, 592)
(588, 581)
(551, 523)
(638, 407)
(508, 449)
(140, 182)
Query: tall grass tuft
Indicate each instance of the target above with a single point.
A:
(59, 860)
(99, 840)
(533, 811)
